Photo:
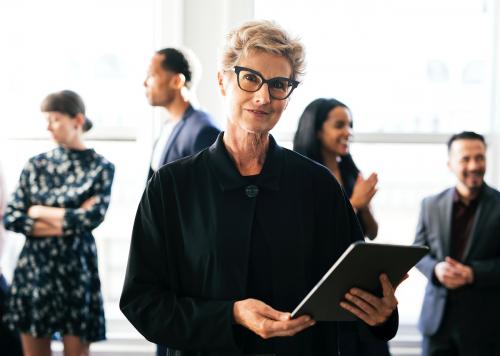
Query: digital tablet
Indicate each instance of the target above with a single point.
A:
(359, 266)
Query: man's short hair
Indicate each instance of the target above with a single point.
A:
(465, 135)
(183, 61)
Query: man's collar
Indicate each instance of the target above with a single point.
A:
(457, 198)
(228, 175)
(189, 110)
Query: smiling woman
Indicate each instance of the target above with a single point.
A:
(227, 242)
(253, 112)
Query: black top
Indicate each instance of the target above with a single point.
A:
(259, 283)
(349, 172)
(462, 219)
(191, 241)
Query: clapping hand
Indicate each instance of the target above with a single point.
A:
(364, 190)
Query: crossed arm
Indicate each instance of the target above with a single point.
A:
(49, 220)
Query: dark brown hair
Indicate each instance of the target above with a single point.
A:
(465, 135)
(66, 102)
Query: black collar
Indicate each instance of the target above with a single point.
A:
(228, 176)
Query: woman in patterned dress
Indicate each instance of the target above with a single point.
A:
(62, 196)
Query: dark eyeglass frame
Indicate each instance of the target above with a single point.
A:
(291, 82)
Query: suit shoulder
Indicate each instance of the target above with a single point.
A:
(493, 193)
(103, 161)
(433, 199)
(201, 119)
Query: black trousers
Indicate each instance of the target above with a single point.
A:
(452, 339)
(162, 351)
(9, 341)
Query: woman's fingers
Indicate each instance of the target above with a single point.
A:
(267, 322)
(370, 308)
(287, 328)
(273, 314)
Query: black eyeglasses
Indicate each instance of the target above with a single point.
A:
(250, 80)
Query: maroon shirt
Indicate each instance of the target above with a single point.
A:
(462, 219)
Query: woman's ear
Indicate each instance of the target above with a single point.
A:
(220, 83)
(79, 120)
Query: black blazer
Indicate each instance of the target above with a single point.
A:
(190, 245)
(478, 302)
(194, 132)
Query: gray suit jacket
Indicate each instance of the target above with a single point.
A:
(479, 303)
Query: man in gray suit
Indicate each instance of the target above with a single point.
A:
(461, 226)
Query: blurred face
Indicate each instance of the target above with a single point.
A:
(255, 112)
(64, 129)
(336, 132)
(158, 83)
(467, 160)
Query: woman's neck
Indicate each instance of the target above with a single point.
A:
(331, 161)
(247, 149)
(76, 144)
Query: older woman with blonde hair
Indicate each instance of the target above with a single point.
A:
(227, 242)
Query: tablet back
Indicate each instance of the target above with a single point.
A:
(359, 266)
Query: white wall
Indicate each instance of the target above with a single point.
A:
(202, 26)
(495, 104)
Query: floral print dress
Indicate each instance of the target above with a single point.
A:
(56, 287)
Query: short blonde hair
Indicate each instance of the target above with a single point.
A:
(266, 36)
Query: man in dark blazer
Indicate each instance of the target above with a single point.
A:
(461, 226)
(188, 130)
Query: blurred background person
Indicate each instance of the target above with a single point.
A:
(323, 135)
(9, 340)
(461, 226)
(62, 195)
(170, 84)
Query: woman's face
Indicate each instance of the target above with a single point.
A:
(63, 128)
(254, 112)
(336, 131)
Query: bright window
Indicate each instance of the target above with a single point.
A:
(419, 66)
(100, 49)
(412, 69)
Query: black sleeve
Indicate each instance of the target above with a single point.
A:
(149, 300)
(16, 213)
